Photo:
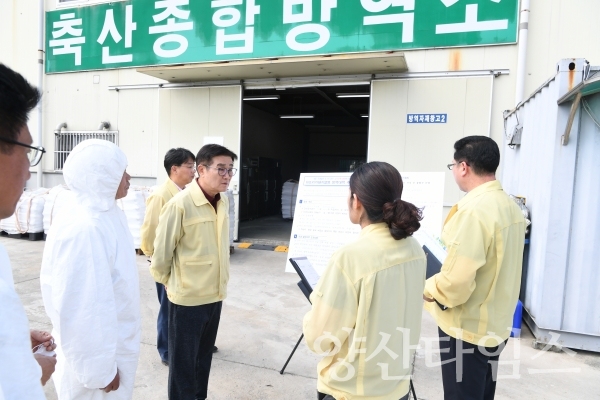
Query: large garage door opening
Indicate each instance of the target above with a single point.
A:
(286, 132)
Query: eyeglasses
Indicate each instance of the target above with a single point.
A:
(34, 155)
(451, 165)
(223, 171)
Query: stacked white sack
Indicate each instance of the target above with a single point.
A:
(57, 200)
(134, 207)
(288, 199)
(29, 214)
(229, 194)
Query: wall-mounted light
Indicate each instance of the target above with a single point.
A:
(364, 115)
(346, 95)
(270, 97)
(297, 116)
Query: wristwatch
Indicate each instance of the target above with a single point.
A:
(443, 307)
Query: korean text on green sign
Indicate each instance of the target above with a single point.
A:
(137, 33)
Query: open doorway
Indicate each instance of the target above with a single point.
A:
(286, 132)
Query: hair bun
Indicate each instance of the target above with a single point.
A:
(402, 218)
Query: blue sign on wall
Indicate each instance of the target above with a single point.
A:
(426, 118)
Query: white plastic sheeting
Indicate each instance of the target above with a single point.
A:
(36, 210)
(28, 216)
(229, 194)
(57, 201)
(134, 207)
(288, 199)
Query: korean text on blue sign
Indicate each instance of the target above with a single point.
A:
(426, 118)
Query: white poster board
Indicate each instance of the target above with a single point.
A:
(321, 223)
(426, 190)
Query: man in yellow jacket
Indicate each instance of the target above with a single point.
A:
(473, 297)
(191, 258)
(179, 164)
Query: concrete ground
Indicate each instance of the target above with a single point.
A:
(272, 229)
(261, 322)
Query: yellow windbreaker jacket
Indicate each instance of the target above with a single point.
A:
(366, 311)
(480, 279)
(154, 205)
(191, 249)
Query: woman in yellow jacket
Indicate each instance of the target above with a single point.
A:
(366, 309)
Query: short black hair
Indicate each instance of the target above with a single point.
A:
(176, 157)
(481, 153)
(210, 151)
(17, 99)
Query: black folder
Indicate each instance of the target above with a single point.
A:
(433, 264)
(304, 284)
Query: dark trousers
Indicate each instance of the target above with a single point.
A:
(192, 335)
(323, 396)
(471, 376)
(162, 323)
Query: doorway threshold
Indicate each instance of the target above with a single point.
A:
(263, 242)
(269, 231)
(267, 247)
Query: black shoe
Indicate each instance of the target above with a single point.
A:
(215, 349)
(165, 363)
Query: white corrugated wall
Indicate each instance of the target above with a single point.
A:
(562, 187)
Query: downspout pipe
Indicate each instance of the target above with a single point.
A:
(40, 174)
(522, 61)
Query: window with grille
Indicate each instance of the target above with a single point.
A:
(65, 141)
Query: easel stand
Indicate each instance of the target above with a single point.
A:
(305, 289)
(291, 354)
(411, 389)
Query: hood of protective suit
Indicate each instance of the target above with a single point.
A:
(93, 172)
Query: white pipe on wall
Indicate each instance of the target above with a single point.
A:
(40, 174)
(522, 62)
(491, 106)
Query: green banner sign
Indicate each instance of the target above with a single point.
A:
(137, 33)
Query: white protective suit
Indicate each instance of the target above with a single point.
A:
(20, 374)
(90, 281)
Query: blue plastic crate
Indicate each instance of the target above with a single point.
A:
(517, 320)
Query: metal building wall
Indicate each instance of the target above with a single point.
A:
(582, 299)
(556, 27)
(427, 147)
(83, 100)
(187, 116)
(559, 195)
(137, 121)
(553, 35)
(527, 172)
(81, 104)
